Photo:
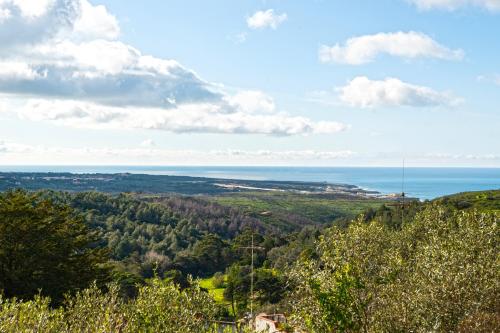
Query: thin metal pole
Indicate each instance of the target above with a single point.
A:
(252, 247)
(251, 284)
(403, 195)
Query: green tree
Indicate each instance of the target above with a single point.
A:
(218, 280)
(439, 273)
(44, 247)
(269, 286)
(237, 290)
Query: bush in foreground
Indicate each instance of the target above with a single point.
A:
(439, 273)
(159, 307)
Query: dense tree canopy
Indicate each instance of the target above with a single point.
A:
(44, 247)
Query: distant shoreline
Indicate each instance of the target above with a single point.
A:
(423, 183)
(162, 184)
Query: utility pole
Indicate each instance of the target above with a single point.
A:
(252, 248)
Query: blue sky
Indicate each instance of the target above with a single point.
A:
(362, 83)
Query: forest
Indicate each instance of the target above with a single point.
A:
(129, 262)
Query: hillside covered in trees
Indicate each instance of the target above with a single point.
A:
(125, 261)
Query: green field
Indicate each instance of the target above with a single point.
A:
(216, 293)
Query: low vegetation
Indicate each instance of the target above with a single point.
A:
(159, 307)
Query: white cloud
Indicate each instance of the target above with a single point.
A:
(458, 156)
(31, 22)
(202, 118)
(12, 153)
(491, 5)
(493, 78)
(4, 14)
(365, 93)
(266, 19)
(61, 62)
(148, 143)
(240, 38)
(31, 8)
(364, 49)
(77, 17)
(252, 101)
(23, 154)
(18, 71)
(96, 22)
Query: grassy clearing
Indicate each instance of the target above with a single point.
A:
(216, 293)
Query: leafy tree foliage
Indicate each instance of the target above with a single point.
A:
(218, 280)
(44, 248)
(159, 307)
(269, 287)
(439, 273)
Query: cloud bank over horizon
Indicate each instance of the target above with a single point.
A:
(146, 153)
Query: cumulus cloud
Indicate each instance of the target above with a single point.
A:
(107, 72)
(96, 22)
(266, 19)
(25, 23)
(252, 101)
(491, 5)
(201, 118)
(33, 21)
(61, 61)
(364, 49)
(12, 71)
(391, 92)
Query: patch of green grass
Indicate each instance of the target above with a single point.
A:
(216, 293)
(206, 283)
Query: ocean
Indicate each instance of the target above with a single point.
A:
(423, 183)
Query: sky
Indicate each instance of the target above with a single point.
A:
(261, 82)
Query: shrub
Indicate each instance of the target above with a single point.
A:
(438, 273)
(161, 306)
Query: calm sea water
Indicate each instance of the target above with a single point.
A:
(424, 183)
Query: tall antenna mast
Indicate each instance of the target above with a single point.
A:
(403, 194)
(251, 282)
